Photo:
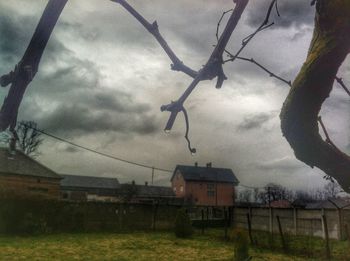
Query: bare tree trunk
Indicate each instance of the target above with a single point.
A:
(299, 116)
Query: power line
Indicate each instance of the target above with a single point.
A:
(113, 157)
(97, 152)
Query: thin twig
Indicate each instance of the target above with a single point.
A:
(342, 84)
(220, 20)
(328, 139)
(265, 24)
(177, 65)
(251, 60)
(192, 150)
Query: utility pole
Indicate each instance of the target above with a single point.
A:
(152, 175)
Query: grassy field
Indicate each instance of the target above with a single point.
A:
(133, 246)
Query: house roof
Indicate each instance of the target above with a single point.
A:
(329, 204)
(21, 164)
(283, 203)
(89, 182)
(302, 203)
(210, 174)
(147, 190)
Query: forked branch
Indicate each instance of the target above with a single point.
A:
(177, 64)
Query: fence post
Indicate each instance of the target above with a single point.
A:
(295, 219)
(347, 234)
(281, 234)
(340, 232)
(154, 216)
(271, 220)
(323, 231)
(325, 228)
(250, 229)
(120, 216)
(226, 222)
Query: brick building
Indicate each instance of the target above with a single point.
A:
(20, 174)
(204, 186)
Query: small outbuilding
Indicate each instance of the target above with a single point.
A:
(22, 175)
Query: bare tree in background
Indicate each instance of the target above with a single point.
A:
(29, 139)
(331, 190)
(245, 196)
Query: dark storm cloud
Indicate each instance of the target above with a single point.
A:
(255, 121)
(82, 119)
(80, 106)
(293, 13)
(14, 31)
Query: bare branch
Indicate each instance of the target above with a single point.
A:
(177, 65)
(265, 24)
(328, 139)
(342, 84)
(271, 74)
(212, 68)
(220, 20)
(26, 69)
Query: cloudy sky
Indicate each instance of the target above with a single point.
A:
(103, 79)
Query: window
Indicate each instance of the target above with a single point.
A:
(211, 190)
(211, 186)
(181, 188)
(211, 193)
(175, 189)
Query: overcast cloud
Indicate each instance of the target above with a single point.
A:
(103, 79)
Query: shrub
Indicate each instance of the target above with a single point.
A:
(241, 245)
(183, 227)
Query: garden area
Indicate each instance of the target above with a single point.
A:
(156, 246)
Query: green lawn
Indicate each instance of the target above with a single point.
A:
(134, 246)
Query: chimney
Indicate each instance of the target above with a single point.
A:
(146, 183)
(133, 182)
(196, 164)
(209, 165)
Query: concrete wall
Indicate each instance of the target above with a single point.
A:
(295, 221)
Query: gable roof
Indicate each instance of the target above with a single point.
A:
(209, 174)
(21, 164)
(89, 182)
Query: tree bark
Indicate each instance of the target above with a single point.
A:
(299, 116)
